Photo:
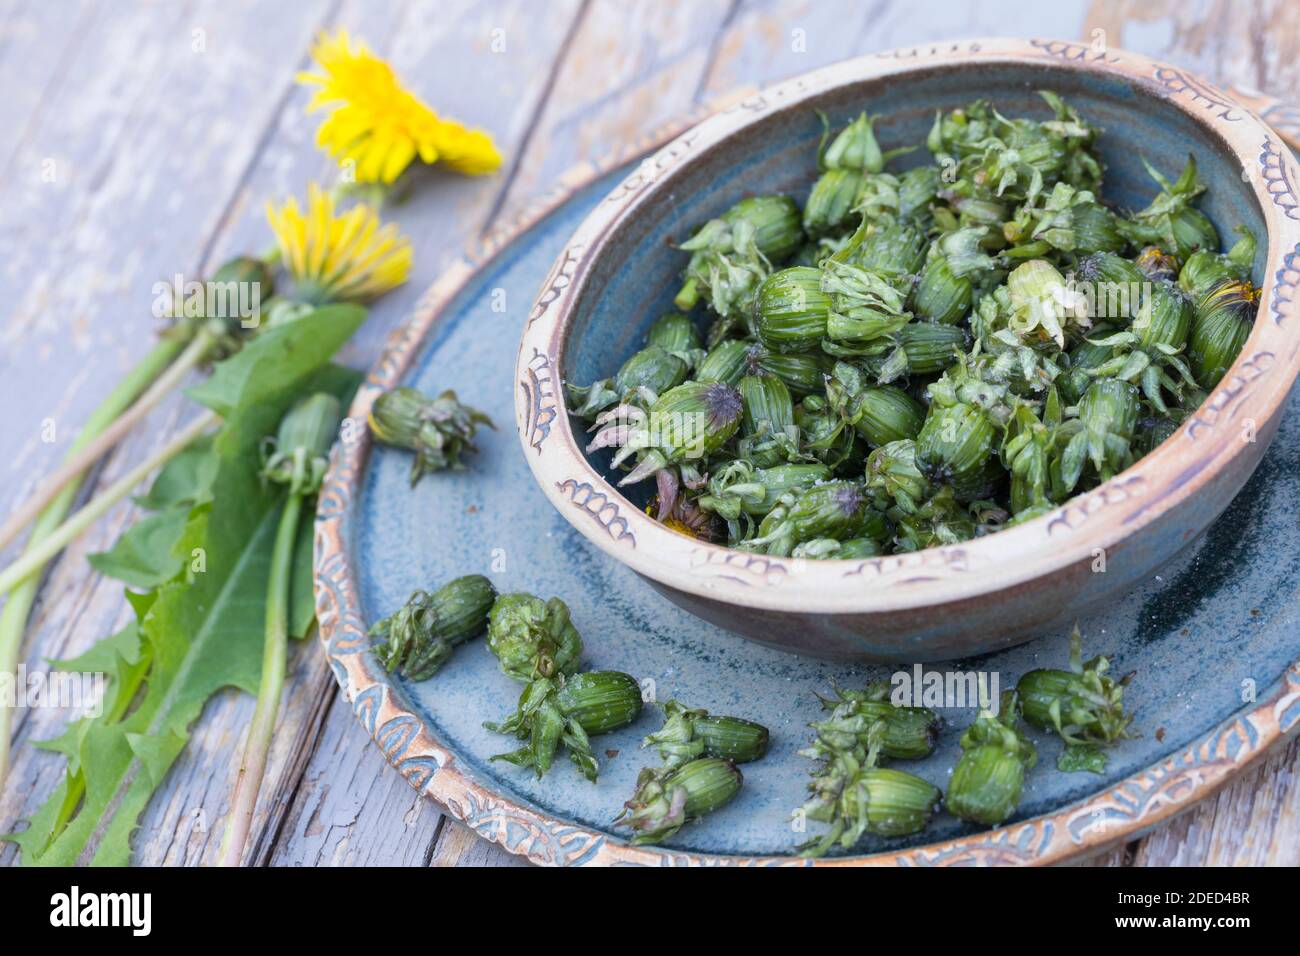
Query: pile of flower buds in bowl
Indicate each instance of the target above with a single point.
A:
(917, 358)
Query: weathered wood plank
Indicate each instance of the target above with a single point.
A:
(769, 40)
(154, 123)
(630, 67)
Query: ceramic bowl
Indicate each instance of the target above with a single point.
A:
(620, 269)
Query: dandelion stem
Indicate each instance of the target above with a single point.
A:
(82, 458)
(256, 748)
(13, 619)
(34, 558)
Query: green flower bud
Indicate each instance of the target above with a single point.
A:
(674, 332)
(641, 378)
(923, 348)
(855, 799)
(440, 430)
(803, 373)
(725, 362)
(1109, 267)
(1084, 357)
(568, 711)
(1083, 705)
(825, 436)
(954, 447)
(895, 251)
(653, 369)
(600, 701)
(1224, 319)
(1193, 230)
(941, 520)
(791, 310)
(867, 717)
(533, 638)
(893, 803)
(731, 255)
(987, 781)
(1116, 284)
(299, 454)
(1206, 268)
(741, 488)
(689, 422)
(917, 189)
(775, 219)
(1165, 318)
(1170, 221)
(1109, 412)
(865, 307)
(247, 269)
(855, 147)
(769, 434)
(1095, 229)
(892, 471)
(833, 200)
(837, 509)
(1155, 431)
(221, 310)
(690, 734)
(1110, 407)
(941, 296)
(884, 414)
(418, 638)
(666, 800)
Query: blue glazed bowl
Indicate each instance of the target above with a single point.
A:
(620, 270)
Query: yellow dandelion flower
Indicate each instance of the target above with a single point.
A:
(350, 257)
(377, 125)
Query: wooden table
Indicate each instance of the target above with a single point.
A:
(143, 140)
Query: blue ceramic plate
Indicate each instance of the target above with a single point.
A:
(1212, 639)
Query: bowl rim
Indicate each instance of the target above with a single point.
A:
(1254, 389)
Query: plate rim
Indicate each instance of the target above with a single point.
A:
(1117, 813)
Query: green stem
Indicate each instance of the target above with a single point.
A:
(249, 781)
(82, 458)
(687, 296)
(34, 558)
(13, 619)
